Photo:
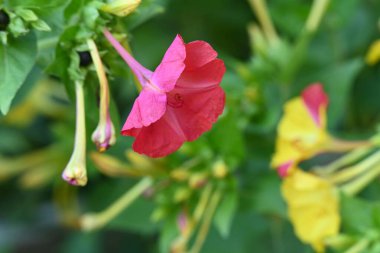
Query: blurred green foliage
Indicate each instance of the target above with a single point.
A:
(252, 216)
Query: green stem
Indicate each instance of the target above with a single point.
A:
(359, 246)
(261, 10)
(207, 219)
(350, 172)
(342, 161)
(91, 222)
(317, 11)
(358, 184)
(199, 211)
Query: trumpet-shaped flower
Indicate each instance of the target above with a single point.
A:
(313, 207)
(179, 101)
(302, 131)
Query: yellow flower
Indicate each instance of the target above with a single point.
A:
(373, 54)
(121, 8)
(302, 130)
(313, 207)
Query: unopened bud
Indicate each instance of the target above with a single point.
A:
(75, 172)
(180, 174)
(121, 8)
(197, 180)
(219, 169)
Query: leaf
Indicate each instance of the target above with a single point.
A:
(357, 215)
(267, 198)
(232, 146)
(339, 82)
(226, 210)
(17, 59)
(38, 4)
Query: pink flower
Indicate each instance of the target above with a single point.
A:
(179, 101)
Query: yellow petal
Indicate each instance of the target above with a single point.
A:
(299, 137)
(313, 219)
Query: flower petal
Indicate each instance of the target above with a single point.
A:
(159, 139)
(315, 98)
(284, 168)
(171, 67)
(204, 77)
(199, 53)
(149, 107)
(199, 110)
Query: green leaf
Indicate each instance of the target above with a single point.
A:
(267, 197)
(38, 4)
(339, 80)
(26, 14)
(232, 146)
(226, 210)
(41, 26)
(356, 215)
(17, 59)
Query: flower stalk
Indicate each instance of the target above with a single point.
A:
(261, 10)
(104, 134)
(93, 221)
(207, 219)
(75, 172)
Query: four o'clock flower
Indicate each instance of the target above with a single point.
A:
(179, 101)
(104, 134)
(75, 172)
(302, 130)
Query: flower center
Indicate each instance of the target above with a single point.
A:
(175, 100)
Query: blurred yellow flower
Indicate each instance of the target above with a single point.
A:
(121, 8)
(313, 207)
(302, 130)
(373, 54)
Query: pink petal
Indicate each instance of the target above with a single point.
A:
(141, 72)
(199, 53)
(314, 98)
(204, 77)
(283, 169)
(198, 110)
(149, 107)
(159, 139)
(171, 67)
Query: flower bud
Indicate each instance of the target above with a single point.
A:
(75, 172)
(219, 169)
(104, 134)
(121, 8)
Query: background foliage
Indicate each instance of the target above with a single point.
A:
(252, 216)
